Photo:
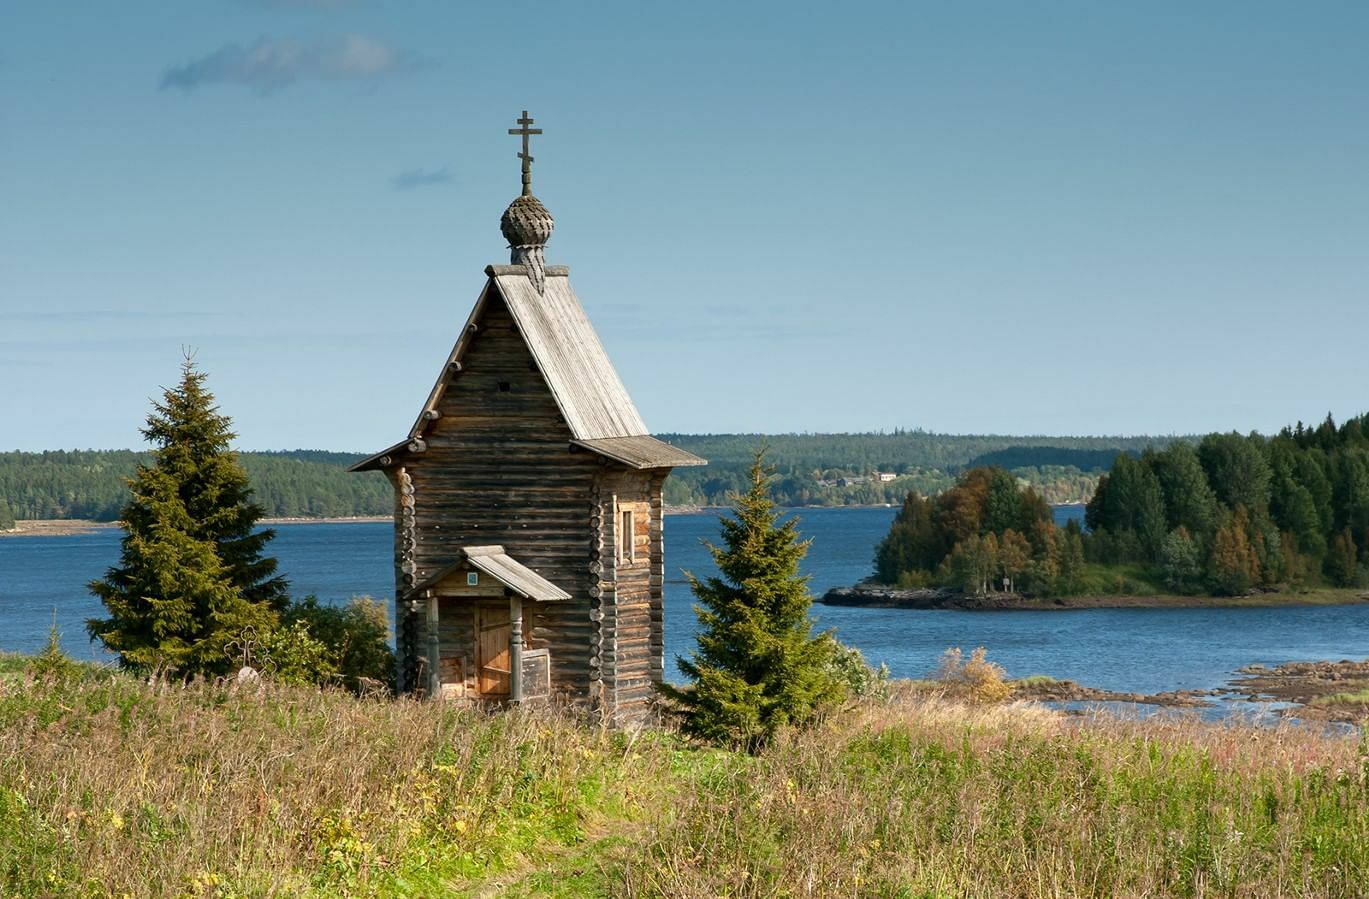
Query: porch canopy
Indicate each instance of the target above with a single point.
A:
(487, 569)
(513, 575)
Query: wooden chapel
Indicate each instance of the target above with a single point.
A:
(528, 518)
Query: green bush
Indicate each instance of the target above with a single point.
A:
(356, 637)
(292, 655)
(848, 666)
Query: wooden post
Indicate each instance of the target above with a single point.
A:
(516, 649)
(434, 650)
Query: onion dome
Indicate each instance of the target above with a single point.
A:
(526, 224)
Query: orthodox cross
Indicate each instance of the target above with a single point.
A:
(525, 131)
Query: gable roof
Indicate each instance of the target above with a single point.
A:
(590, 395)
(492, 560)
(588, 391)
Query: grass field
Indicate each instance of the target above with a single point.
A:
(110, 786)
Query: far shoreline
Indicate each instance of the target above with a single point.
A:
(873, 596)
(68, 527)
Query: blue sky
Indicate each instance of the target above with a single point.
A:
(1062, 218)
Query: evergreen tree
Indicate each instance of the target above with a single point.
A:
(1236, 470)
(1189, 501)
(1129, 500)
(1342, 561)
(7, 522)
(1071, 577)
(913, 542)
(1181, 561)
(757, 666)
(192, 578)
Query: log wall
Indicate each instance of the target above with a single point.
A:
(632, 631)
(498, 468)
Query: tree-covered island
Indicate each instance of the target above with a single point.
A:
(1230, 516)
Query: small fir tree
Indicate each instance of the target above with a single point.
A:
(7, 522)
(192, 577)
(757, 666)
(52, 663)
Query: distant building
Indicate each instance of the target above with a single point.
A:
(528, 518)
(885, 476)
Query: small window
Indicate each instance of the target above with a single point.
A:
(626, 535)
(472, 579)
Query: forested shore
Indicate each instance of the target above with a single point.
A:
(1235, 514)
(811, 469)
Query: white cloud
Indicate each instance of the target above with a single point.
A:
(269, 64)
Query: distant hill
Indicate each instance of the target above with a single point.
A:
(93, 484)
(846, 469)
(813, 469)
(1088, 460)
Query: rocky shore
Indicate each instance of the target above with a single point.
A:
(1069, 691)
(1324, 690)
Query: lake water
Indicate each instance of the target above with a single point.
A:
(1144, 650)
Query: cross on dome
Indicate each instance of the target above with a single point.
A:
(526, 224)
(526, 156)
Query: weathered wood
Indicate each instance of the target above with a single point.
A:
(491, 460)
(493, 663)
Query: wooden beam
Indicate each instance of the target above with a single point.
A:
(515, 649)
(434, 650)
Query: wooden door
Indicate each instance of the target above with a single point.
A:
(493, 631)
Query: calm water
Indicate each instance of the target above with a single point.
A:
(1144, 650)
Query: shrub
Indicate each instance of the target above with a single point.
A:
(356, 637)
(292, 655)
(848, 666)
(976, 680)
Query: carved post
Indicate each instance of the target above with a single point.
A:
(516, 649)
(434, 650)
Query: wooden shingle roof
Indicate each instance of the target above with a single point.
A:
(567, 351)
(509, 572)
(641, 452)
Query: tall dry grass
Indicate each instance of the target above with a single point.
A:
(926, 797)
(113, 787)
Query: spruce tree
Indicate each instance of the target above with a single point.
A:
(7, 521)
(192, 578)
(757, 666)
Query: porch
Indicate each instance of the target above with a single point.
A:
(475, 635)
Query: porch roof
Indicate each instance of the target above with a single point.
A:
(492, 560)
